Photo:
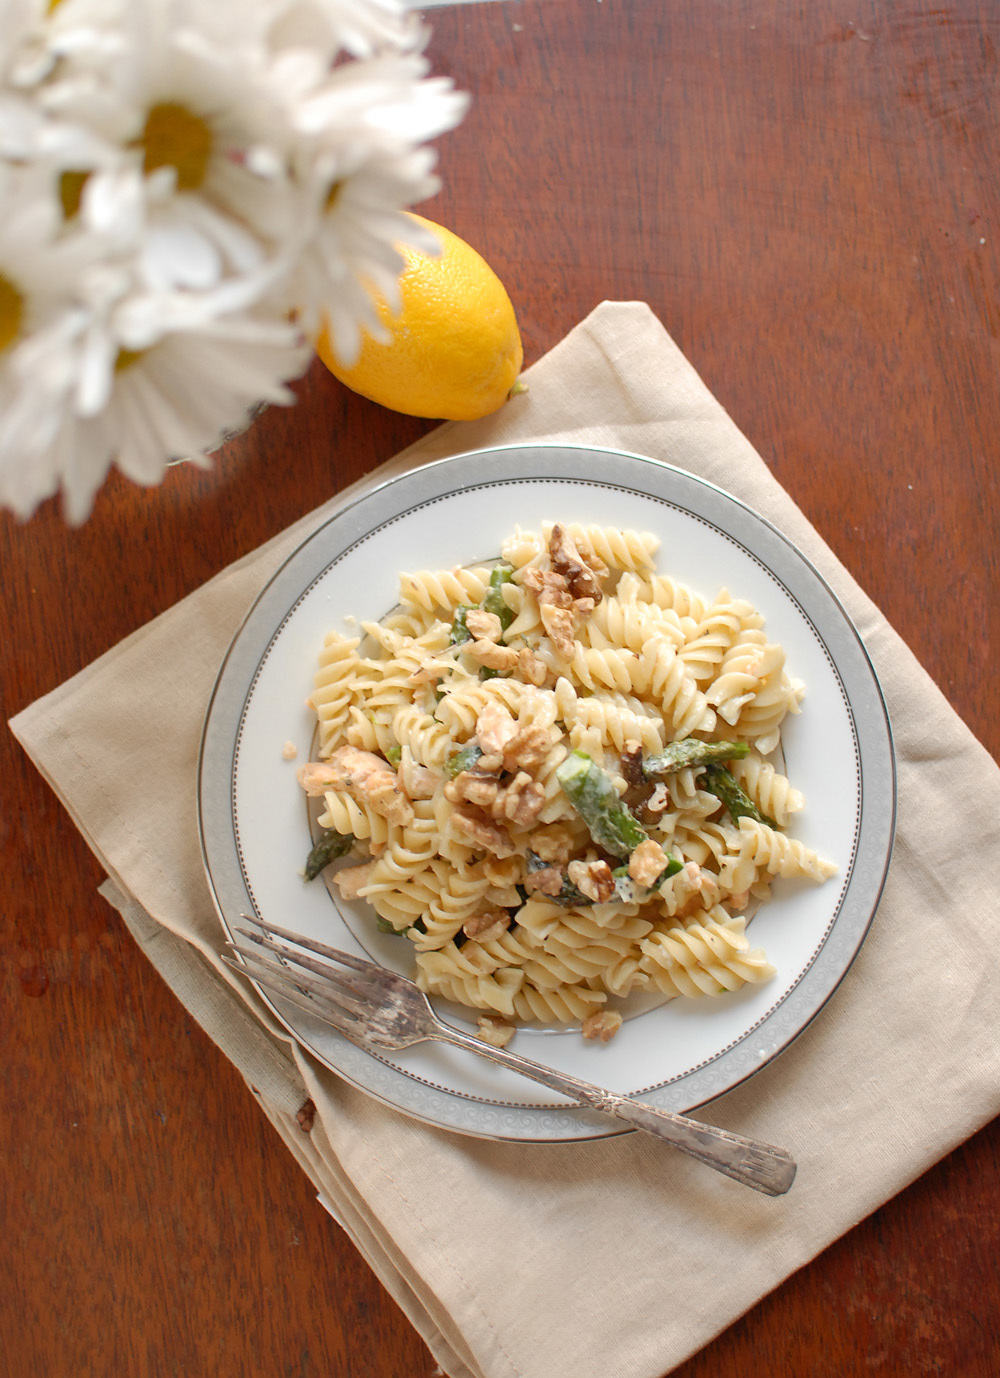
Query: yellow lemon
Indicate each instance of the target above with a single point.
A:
(454, 351)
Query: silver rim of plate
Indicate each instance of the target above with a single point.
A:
(253, 818)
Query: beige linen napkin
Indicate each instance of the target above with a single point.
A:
(615, 1245)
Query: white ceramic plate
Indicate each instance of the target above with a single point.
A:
(838, 751)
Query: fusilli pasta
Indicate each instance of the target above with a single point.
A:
(555, 772)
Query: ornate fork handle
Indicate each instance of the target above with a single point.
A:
(765, 1168)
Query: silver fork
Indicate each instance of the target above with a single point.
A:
(376, 1008)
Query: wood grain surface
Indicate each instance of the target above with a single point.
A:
(807, 196)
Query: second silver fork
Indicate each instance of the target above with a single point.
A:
(376, 1008)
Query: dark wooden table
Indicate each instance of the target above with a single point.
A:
(807, 195)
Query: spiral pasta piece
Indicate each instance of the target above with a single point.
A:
(604, 669)
(760, 720)
(664, 592)
(335, 686)
(662, 674)
(462, 707)
(429, 741)
(709, 956)
(612, 716)
(347, 816)
(615, 624)
(526, 623)
(497, 992)
(772, 792)
(781, 855)
(566, 1005)
(522, 548)
(724, 623)
(443, 590)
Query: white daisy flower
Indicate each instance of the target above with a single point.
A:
(95, 372)
(330, 27)
(364, 158)
(43, 322)
(195, 187)
(197, 116)
(177, 399)
(38, 34)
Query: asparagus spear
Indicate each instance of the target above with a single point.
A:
(463, 759)
(689, 751)
(384, 926)
(493, 601)
(459, 631)
(592, 793)
(327, 848)
(722, 783)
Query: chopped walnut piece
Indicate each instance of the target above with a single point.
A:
(631, 759)
(695, 889)
(495, 1030)
(528, 748)
(531, 668)
(483, 625)
(352, 879)
(481, 790)
(417, 781)
(486, 926)
(519, 802)
(549, 588)
(647, 863)
(559, 623)
(602, 1025)
(593, 879)
(547, 880)
(316, 778)
(482, 832)
(581, 571)
(289, 751)
(371, 780)
(494, 657)
(522, 801)
(553, 843)
(494, 728)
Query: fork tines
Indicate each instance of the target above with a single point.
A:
(338, 997)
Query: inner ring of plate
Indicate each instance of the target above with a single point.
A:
(358, 918)
(638, 479)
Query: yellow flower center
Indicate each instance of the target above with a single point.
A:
(71, 191)
(126, 358)
(11, 313)
(175, 137)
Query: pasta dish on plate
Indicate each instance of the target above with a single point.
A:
(558, 776)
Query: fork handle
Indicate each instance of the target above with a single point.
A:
(759, 1165)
